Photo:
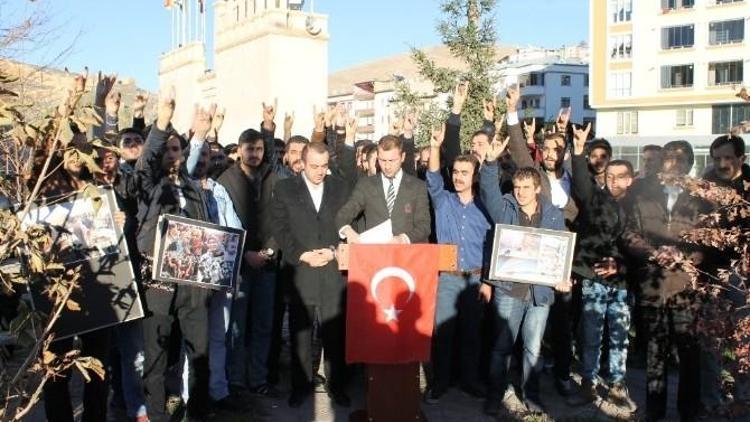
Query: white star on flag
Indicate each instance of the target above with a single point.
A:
(391, 314)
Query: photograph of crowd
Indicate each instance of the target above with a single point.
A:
(532, 256)
(79, 231)
(198, 254)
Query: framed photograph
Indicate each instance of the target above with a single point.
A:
(84, 234)
(197, 253)
(531, 255)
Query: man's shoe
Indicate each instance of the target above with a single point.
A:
(340, 398)
(587, 394)
(433, 394)
(297, 398)
(319, 380)
(619, 396)
(534, 406)
(174, 405)
(564, 387)
(266, 390)
(476, 390)
(229, 404)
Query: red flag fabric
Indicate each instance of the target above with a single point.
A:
(390, 303)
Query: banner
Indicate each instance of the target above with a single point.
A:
(390, 305)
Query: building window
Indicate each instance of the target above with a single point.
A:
(677, 37)
(677, 4)
(530, 102)
(627, 122)
(725, 73)
(728, 1)
(565, 80)
(619, 84)
(727, 116)
(621, 46)
(586, 105)
(621, 10)
(684, 117)
(564, 102)
(586, 80)
(532, 79)
(679, 76)
(726, 32)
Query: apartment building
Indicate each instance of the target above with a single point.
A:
(668, 69)
(549, 80)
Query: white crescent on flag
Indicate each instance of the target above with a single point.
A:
(391, 313)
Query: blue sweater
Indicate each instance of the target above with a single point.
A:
(504, 209)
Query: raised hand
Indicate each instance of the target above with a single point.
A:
(76, 90)
(489, 109)
(342, 115)
(330, 115)
(563, 117)
(530, 130)
(139, 104)
(438, 136)
(410, 123)
(511, 98)
(744, 94)
(112, 103)
(165, 108)
(460, 94)
(269, 114)
(288, 122)
(104, 85)
(397, 126)
(351, 130)
(202, 121)
(217, 120)
(496, 149)
(579, 138)
(319, 118)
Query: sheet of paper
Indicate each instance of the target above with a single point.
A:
(382, 233)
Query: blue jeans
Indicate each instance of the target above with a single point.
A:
(251, 327)
(511, 316)
(129, 342)
(219, 310)
(605, 303)
(458, 308)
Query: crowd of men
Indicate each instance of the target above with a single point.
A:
(298, 198)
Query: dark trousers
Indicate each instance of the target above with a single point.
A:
(57, 403)
(562, 320)
(301, 323)
(157, 329)
(667, 324)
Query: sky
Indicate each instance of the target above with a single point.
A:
(128, 36)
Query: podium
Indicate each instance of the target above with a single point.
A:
(393, 393)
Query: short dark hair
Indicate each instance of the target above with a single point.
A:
(230, 149)
(471, 159)
(279, 143)
(363, 143)
(389, 142)
(735, 141)
(683, 146)
(556, 136)
(481, 132)
(296, 139)
(369, 149)
(651, 147)
(528, 173)
(625, 163)
(599, 143)
(249, 136)
(128, 131)
(319, 147)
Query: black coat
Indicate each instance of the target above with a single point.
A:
(298, 228)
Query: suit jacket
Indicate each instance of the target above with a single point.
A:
(411, 213)
(298, 228)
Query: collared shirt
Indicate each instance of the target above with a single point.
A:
(227, 216)
(560, 190)
(316, 192)
(456, 223)
(396, 182)
(673, 192)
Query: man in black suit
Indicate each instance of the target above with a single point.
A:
(303, 209)
(390, 194)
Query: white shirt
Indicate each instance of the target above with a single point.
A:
(673, 192)
(560, 190)
(396, 183)
(316, 192)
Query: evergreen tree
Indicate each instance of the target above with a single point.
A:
(467, 29)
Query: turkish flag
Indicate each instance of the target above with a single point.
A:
(390, 303)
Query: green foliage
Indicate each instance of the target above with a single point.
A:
(467, 29)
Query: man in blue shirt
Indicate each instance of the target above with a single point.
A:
(459, 219)
(518, 307)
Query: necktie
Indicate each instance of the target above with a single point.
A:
(390, 199)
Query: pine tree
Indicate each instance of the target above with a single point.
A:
(467, 29)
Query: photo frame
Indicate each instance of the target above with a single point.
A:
(531, 255)
(197, 253)
(85, 234)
